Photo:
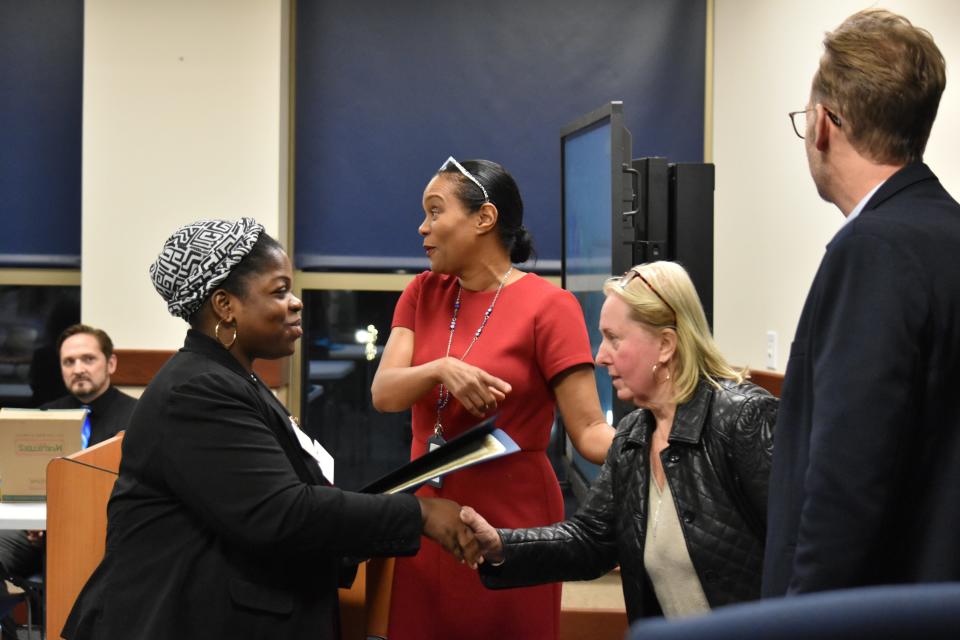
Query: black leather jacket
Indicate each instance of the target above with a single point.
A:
(717, 463)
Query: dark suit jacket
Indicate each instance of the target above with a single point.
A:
(109, 414)
(865, 486)
(220, 525)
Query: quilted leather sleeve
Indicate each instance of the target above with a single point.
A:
(753, 450)
(581, 548)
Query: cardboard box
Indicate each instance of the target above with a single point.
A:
(29, 439)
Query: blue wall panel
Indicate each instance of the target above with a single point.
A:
(41, 76)
(387, 90)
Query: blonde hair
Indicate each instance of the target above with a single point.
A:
(665, 298)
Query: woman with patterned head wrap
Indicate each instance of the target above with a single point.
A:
(222, 523)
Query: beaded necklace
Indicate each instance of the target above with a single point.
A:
(444, 397)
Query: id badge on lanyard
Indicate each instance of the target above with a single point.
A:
(435, 442)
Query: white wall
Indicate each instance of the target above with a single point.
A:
(771, 227)
(184, 117)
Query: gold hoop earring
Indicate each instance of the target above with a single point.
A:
(654, 372)
(216, 332)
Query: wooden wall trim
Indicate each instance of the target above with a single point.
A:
(772, 381)
(599, 624)
(136, 367)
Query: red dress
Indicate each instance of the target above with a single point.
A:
(535, 332)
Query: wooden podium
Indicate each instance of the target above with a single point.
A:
(365, 607)
(78, 488)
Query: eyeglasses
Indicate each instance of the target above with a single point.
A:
(452, 161)
(834, 118)
(634, 272)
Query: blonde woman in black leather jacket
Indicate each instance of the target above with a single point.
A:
(680, 503)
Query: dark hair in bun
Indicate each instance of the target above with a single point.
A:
(504, 195)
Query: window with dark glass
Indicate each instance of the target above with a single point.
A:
(344, 334)
(31, 320)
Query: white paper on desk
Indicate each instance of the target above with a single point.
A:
(316, 451)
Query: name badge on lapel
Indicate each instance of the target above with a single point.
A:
(316, 451)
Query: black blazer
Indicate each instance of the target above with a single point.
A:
(220, 525)
(865, 486)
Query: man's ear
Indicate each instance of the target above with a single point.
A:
(486, 218)
(111, 364)
(821, 128)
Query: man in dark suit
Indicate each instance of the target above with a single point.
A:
(865, 486)
(87, 361)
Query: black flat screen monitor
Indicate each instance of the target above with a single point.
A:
(596, 237)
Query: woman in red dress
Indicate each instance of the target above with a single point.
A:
(472, 337)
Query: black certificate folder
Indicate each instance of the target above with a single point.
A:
(478, 444)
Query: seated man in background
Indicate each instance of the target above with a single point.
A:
(87, 361)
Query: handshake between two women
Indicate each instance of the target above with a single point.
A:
(461, 531)
(443, 523)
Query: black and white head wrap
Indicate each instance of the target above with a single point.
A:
(197, 258)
